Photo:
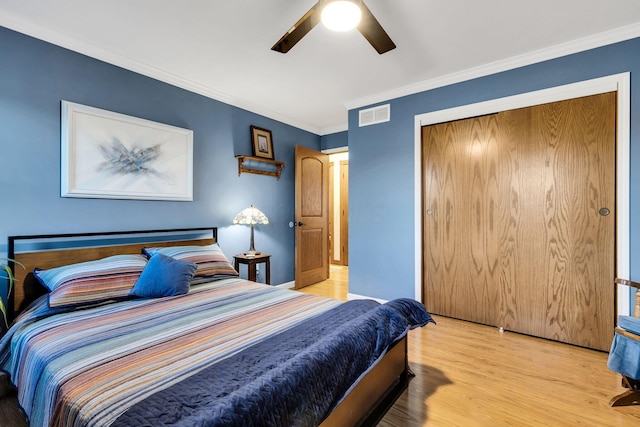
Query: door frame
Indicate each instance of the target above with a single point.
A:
(619, 83)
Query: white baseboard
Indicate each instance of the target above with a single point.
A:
(286, 285)
(351, 296)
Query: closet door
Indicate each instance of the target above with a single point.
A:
(519, 220)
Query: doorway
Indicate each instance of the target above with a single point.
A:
(339, 224)
(321, 193)
(339, 208)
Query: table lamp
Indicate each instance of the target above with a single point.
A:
(251, 216)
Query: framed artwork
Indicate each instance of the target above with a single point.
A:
(262, 144)
(114, 156)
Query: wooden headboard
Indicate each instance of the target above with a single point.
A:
(55, 250)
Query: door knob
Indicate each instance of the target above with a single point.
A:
(604, 211)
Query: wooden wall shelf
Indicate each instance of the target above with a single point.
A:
(260, 166)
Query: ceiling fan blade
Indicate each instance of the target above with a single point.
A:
(299, 30)
(371, 29)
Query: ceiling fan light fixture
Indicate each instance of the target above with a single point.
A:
(341, 15)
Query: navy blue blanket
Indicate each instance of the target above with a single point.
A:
(292, 379)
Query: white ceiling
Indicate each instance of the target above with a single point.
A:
(221, 48)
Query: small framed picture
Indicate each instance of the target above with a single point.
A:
(262, 144)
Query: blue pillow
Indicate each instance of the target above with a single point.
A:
(164, 277)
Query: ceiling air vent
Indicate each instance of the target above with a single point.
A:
(375, 115)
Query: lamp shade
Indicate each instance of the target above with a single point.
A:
(251, 216)
(341, 15)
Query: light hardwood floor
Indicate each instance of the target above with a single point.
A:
(473, 375)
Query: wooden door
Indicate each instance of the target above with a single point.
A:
(344, 212)
(519, 220)
(312, 216)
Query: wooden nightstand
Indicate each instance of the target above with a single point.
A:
(252, 262)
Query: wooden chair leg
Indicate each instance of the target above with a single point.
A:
(410, 372)
(630, 383)
(629, 397)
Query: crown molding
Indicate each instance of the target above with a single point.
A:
(334, 129)
(46, 34)
(557, 51)
(20, 25)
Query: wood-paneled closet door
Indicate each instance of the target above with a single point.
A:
(519, 219)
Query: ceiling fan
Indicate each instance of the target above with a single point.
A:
(368, 25)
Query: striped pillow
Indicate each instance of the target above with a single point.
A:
(92, 281)
(210, 259)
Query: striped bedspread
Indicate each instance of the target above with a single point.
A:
(87, 367)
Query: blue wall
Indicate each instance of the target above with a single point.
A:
(334, 140)
(381, 164)
(35, 76)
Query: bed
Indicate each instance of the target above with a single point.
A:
(222, 351)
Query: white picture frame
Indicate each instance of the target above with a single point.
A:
(114, 156)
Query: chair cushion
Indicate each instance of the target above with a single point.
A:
(624, 356)
(629, 324)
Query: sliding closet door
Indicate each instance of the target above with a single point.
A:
(519, 220)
